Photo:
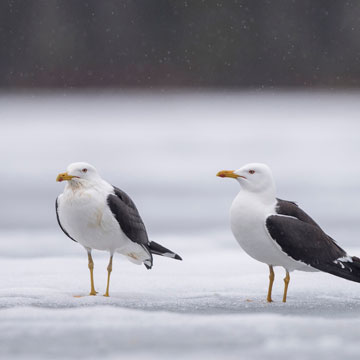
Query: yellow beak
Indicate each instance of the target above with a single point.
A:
(64, 176)
(228, 173)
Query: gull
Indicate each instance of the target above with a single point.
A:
(100, 216)
(278, 233)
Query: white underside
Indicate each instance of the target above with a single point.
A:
(85, 215)
(248, 223)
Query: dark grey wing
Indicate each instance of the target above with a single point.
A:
(290, 208)
(128, 217)
(58, 220)
(309, 244)
(302, 241)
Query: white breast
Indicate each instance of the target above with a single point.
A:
(87, 218)
(85, 215)
(248, 217)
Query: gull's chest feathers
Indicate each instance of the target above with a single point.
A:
(86, 216)
(248, 216)
(84, 211)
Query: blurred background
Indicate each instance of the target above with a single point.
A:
(159, 96)
(198, 44)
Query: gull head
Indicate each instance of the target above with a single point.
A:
(80, 173)
(253, 177)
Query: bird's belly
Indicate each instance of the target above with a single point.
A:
(252, 237)
(93, 226)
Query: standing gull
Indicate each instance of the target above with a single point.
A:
(278, 233)
(100, 216)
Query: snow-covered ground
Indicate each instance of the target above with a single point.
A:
(165, 150)
(212, 305)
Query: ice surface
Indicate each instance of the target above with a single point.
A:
(212, 305)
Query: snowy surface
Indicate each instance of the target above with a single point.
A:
(212, 305)
(165, 150)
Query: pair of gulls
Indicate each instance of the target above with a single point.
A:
(276, 232)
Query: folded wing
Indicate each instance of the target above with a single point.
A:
(303, 240)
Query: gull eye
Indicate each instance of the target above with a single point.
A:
(84, 170)
(251, 172)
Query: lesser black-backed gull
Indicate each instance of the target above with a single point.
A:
(100, 216)
(278, 233)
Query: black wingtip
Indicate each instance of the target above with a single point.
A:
(158, 249)
(148, 263)
(347, 267)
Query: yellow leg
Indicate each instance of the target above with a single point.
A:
(286, 281)
(271, 281)
(91, 268)
(109, 269)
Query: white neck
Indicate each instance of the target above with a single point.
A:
(267, 196)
